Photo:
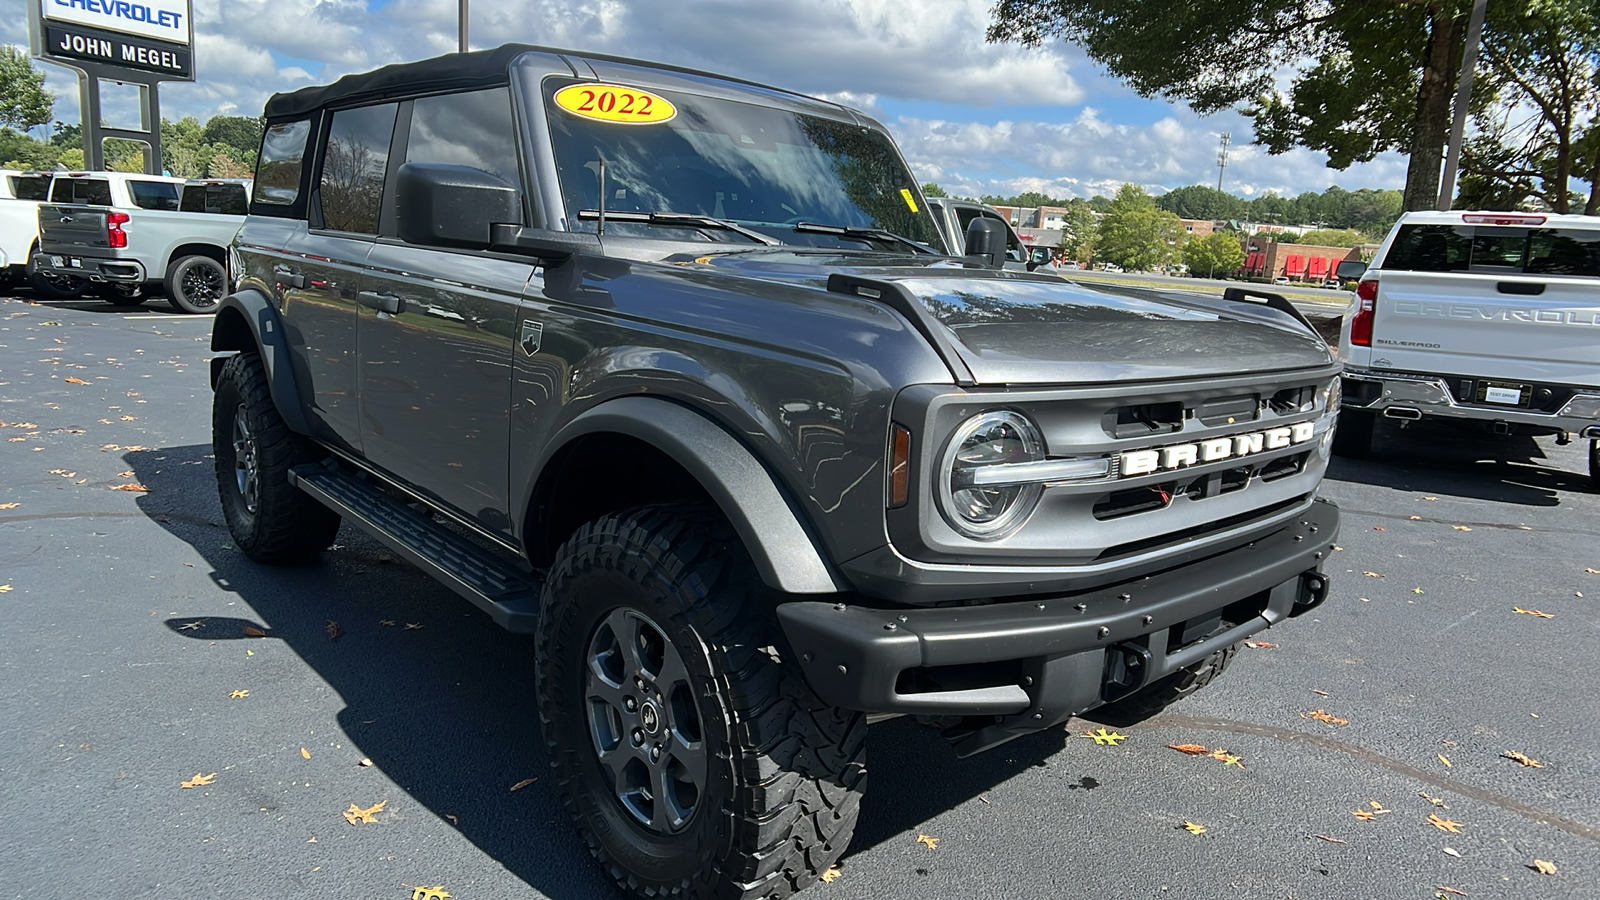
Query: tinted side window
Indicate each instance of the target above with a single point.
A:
(92, 191)
(30, 187)
(473, 129)
(226, 199)
(1431, 248)
(154, 194)
(353, 165)
(283, 152)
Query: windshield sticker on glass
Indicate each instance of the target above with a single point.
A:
(910, 200)
(614, 103)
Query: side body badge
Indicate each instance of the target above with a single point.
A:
(531, 337)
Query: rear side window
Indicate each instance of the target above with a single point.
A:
(91, 191)
(354, 163)
(1496, 249)
(223, 199)
(283, 153)
(30, 187)
(154, 195)
(473, 129)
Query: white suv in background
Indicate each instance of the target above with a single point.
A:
(1485, 317)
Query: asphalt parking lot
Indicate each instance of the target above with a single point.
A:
(142, 650)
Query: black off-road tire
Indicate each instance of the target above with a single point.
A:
(1353, 436)
(56, 287)
(124, 293)
(285, 523)
(785, 772)
(196, 284)
(1157, 696)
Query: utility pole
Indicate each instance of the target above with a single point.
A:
(1458, 127)
(461, 24)
(1222, 155)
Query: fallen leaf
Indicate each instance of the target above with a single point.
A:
(5, 588)
(1460, 527)
(9, 505)
(1321, 693)
(128, 474)
(1434, 800)
(831, 874)
(437, 892)
(1372, 574)
(1451, 890)
(240, 694)
(1192, 749)
(73, 379)
(1192, 828)
(1451, 851)
(198, 781)
(369, 815)
(333, 630)
(1379, 528)
(132, 486)
(1523, 758)
(413, 626)
(1444, 824)
(1377, 807)
(523, 783)
(252, 631)
(1543, 867)
(364, 762)
(1331, 840)
(1593, 571)
(1533, 612)
(304, 753)
(1102, 736)
(128, 419)
(196, 625)
(932, 843)
(1322, 715)
(387, 623)
(1261, 645)
(1430, 498)
(1446, 760)
(453, 820)
(1416, 590)
(1364, 815)
(1416, 518)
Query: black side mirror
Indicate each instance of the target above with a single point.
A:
(452, 206)
(1350, 269)
(987, 238)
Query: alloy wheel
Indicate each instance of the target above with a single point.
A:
(245, 462)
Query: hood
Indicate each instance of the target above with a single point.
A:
(1015, 328)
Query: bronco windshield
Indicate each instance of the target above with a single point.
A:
(766, 169)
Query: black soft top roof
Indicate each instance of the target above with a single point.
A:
(457, 71)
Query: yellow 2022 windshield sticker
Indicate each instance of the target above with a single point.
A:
(615, 103)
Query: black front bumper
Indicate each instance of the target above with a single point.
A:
(1034, 662)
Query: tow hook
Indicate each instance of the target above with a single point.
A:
(1313, 590)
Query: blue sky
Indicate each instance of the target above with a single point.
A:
(976, 117)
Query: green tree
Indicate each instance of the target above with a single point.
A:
(24, 102)
(932, 189)
(1199, 201)
(1219, 251)
(1081, 226)
(241, 135)
(1365, 76)
(1334, 237)
(1135, 234)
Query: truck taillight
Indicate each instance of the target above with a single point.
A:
(1361, 322)
(115, 236)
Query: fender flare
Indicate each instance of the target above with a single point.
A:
(251, 309)
(770, 528)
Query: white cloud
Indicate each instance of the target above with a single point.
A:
(1008, 117)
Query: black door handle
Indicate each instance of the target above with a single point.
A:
(289, 277)
(388, 303)
(1526, 288)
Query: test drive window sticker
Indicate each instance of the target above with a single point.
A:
(615, 103)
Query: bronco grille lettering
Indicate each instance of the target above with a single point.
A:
(1178, 456)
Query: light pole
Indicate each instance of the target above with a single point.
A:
(461, 24)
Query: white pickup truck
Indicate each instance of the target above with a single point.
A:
(130, 232)
(1487, 318)
(20, 196)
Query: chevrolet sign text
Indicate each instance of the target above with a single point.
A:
(1177, 456)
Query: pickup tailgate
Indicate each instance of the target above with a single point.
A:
(72, 229)
(1511, 327)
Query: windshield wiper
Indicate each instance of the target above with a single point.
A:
(878, 234)
(680, 220)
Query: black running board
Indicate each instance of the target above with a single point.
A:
(508, 595)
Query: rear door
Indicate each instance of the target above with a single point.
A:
(436, 327)
(1516, 303)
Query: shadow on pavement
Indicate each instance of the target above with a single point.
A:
(1460, 461)
(446, 709)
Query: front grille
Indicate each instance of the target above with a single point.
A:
(1132, 548)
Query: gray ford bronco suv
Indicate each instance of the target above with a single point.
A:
(676, 373)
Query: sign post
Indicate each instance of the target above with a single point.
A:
(138, 42)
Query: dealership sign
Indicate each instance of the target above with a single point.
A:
(150, 37)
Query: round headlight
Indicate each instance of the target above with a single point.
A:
(988, 511)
